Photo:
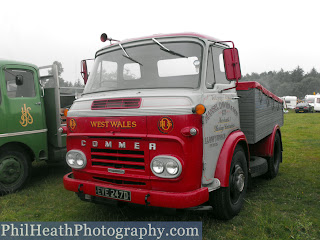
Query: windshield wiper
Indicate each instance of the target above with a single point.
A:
(163, 48)
(127, 55)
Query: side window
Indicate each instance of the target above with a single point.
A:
(19, 83)
(210, 74)
(218, 64)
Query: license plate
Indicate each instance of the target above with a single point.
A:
(113, 193)
(301, 111)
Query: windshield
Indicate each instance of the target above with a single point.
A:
(147, 66)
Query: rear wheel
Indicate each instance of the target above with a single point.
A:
(274, 161)
(227, 201)
(15, 170)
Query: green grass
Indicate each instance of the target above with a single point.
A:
(287, 207)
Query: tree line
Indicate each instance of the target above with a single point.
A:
(66, 87)
(288, 83)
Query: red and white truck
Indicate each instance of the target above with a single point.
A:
(164, 122)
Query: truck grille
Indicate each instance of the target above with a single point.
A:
(121, 166)
(124, 159)
(116, 103)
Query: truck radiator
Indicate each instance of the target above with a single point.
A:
(120, 159)
(119, 166)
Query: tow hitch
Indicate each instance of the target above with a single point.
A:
(146, 199)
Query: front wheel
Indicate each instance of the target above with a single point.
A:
(227, 201)
(15, 170)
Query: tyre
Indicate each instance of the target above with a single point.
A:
(15, 170)
(274, 161)
(227, 201)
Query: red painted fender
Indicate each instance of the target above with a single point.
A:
(264, 147)
(225, 157)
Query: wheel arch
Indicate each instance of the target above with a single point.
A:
(265, 147)
(225, 157)
(19, 145)
(278, 131)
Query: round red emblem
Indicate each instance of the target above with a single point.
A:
(165, 125)
(72, 124)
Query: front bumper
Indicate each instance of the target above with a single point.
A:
(143, 196)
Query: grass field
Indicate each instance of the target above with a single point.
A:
(287, 207)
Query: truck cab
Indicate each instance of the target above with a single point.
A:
(159, 124)
(27, 133)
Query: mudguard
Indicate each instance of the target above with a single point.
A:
(264, 147)
(224, 162)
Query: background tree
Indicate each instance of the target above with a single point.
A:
(66, 87)
(62, 82)
(288, 83)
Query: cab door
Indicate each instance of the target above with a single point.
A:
(24, 105)
(222, 114)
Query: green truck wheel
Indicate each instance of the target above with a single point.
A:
(15, 170)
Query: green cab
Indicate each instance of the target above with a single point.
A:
(30, 118)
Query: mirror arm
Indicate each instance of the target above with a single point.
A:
(42, 91)
(220, 91)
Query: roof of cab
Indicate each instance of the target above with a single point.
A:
(11, 62)
(185, 34)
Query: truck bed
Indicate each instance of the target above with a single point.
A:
(260, 111)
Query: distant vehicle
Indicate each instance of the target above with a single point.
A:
(284, 107)
(290, 101)
(316, 103)
(303, 108)
(310, 99)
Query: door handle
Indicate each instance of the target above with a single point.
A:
(38, 103)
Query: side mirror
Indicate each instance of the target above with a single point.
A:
(84, 71)
(103, 37)
(19, 80)
(232, 63)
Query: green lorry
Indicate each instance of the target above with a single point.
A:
(30, 111)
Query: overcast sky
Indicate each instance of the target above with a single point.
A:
(269, 35)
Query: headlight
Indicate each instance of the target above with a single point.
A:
(157, 166)
(166, 166)
(76, 159)
(70, 159)
(172, 167)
